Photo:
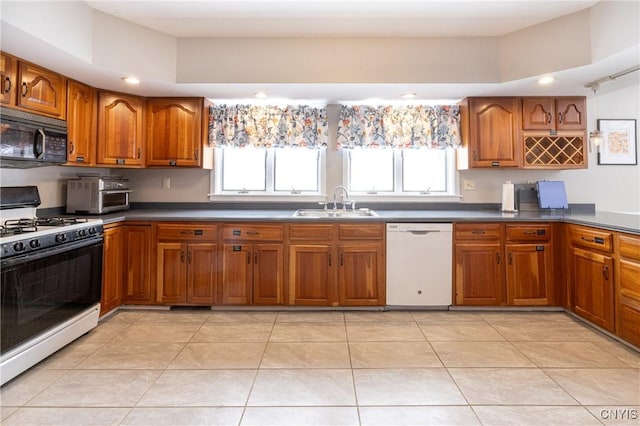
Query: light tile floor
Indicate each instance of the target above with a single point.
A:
(331, 368)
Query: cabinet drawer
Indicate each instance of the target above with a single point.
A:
(629, 247)
(242, 232)
(360, 231)
(186, 232)
(475, 231)
(591, 238)
(311, 232)
(528, 232)
(629, 320)
(629, 278)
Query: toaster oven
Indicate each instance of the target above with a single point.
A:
(97, 195)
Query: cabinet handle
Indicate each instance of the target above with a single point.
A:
(510, 258)
(477, 232)
(530, 232)
(329, 259)
(255, 258)
(605, 272)
(189, 257)
(475, 156)
(498, 258)
(7, 85)
(181, 256)
(139, 153)
(195, 153)
(248, 258)
(589, 240)
(341, 259)
(185, 232)
(549, 115)
(71, 147)
(253, 233)
(559, 117)
(25, 89)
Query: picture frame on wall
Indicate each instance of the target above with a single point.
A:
(619, 142)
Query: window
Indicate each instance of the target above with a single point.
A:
(270, 171)
(400, 171)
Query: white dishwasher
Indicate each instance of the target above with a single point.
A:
(419, 257)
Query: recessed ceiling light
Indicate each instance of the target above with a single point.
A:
(131, 80)
(546, 80)
(408, 95)
(260, 95)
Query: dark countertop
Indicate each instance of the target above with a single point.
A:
(614, 221)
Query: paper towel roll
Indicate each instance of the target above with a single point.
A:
(508, 197)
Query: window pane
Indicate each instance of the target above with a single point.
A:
(244, 169)
(371, 170)
(424, 170)
(296, 169)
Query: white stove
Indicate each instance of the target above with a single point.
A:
(22, 232)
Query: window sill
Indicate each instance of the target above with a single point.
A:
(311, 198)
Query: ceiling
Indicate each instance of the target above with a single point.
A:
(340, 18)
(332, 18)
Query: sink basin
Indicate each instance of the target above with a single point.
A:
(337, 214)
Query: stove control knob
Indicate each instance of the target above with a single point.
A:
(61, 238)
(92, 230)
(82, 233)
(34, 243)
(18, 246)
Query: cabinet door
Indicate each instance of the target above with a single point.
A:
(592, 278)
(311, 274)
(494, 132)
(41, 90)
(237, 274)
(571, 113)
(538, 113)
(120, 130)
(174, 134)
(361, 275)
(529, 279)
(202, 273)
(478, 274)
(172, 272)
(9, 72)
(81, 119)
(112, 270)
(268, 269)
(137, 255)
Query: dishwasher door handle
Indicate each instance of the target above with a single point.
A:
(421, 232)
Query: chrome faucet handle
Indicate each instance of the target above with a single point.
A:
(323, 204)
(353, 205)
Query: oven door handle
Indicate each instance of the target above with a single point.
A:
(51, 251)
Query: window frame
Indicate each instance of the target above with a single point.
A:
(216, 178)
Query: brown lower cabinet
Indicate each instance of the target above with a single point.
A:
(497, 264)
(336, 265)
(627, 283)
(252, 264)
(186, 263)
(591, 274)
(137, 252)
(112, 270)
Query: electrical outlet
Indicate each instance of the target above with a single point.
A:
(166, 183)
(469, 185)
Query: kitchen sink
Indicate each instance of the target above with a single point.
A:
(337, 214)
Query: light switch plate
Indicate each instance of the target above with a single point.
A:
(469, 185)
(166, 183)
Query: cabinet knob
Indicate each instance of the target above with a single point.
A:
(498, 258)
(559, 117)
(550, 117)
(139, 153)
(71, 147)
(7, 85)
(605, 272)
(25, 89)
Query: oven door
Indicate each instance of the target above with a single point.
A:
(114, 200)
(41, 290)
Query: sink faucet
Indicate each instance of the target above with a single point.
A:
(345, 198)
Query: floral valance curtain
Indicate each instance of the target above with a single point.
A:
(417, 126)
(267, 126)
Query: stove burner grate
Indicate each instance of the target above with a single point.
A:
(59, 221)
(18, 226)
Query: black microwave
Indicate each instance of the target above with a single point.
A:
(30, 140)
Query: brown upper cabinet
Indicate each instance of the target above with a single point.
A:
(120, 130)
(548, 113)
(490, 130)
(41, 91)
(81, 124)
(176, 132)
(9, 70)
